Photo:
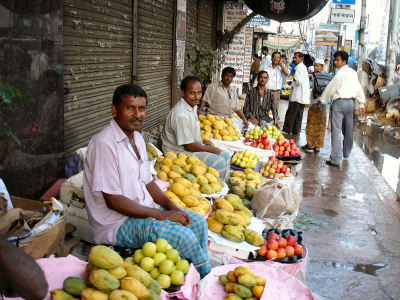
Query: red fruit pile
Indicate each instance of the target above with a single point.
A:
(262, 142)
(274, 168)
(283, 147)
(278, 247)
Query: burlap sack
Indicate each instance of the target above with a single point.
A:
(275, 199)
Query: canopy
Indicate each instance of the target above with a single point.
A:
(282, 43)
(286, 10)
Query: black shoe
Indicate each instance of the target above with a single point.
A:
(316, 150)
(295, 133)
(329, 163)
(305, 147)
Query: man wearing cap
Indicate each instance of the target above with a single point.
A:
(343, 89)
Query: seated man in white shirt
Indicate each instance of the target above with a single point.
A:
(181, 133)
(343, 90)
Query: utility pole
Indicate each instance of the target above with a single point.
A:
(392, 34)
(361, 43)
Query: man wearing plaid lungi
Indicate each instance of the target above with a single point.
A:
(125, 206)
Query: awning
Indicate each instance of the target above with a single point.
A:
(286, 10)
(282, 43)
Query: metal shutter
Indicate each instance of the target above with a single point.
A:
(97, 58)
(206, 20)
(154, 57)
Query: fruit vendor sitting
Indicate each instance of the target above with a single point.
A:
(222, 98)
(125, 206)
(181, 133)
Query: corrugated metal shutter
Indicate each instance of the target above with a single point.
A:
(97, 58)
(154, 57)
(192, 34)
(206, 19)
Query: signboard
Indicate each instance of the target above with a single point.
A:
(325, 26)
(326, 37)
(248, 47)
(235, 53)
(342, 15)
(259, 21)
(347, 46)
(348, 2)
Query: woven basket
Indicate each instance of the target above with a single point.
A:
(371, 105)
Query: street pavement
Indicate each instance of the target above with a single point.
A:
(350, 222)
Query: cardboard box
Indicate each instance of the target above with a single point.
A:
(51, 241)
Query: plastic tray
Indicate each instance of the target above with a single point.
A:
(283, 233)
(289, 158)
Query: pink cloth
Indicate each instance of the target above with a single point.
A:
(53, 191)
(188, 289)
(292, 269)
(280, 284)
(112, 167)
(57, 269)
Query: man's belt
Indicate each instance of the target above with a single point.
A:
(274, 90)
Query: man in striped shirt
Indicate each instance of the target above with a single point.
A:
(259, 101)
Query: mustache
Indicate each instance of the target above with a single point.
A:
(135, 119)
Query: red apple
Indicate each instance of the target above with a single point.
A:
(286, 153)
(293, 147)
(272, 158)
(287, 149)
(258, 140)
(282, 243)
(289, 251)
(287, 174)
(263, 250)
(274, 165)
(268, 147)
(297, 152)
(264, 136)
(280, 164)
(262, 146)
(281, 148)
(281, 252)
(291, 141)
(291, 240)
(283, 169)
(292, 153)
(273, 236)
(280, 142)
(253, 145)
(272, 255)
(265, 142)
(271, 176)
(276, 153)
(298, 249)
(277, 170)
(280, 153)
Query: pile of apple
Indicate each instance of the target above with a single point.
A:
(274, 168)
(283, 147)
(262, 142)
(280, 248)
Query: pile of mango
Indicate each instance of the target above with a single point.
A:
(151, 152)
(242, 284)
(221, 129)
(110, 278)
(230, 218)
(244, 184)
(188, 178)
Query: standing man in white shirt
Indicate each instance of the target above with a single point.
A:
(299, 97)
(343, 90)
(276, 71)
(266, 61)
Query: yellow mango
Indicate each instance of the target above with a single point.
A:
(187, 168)
(214, 225)
(104, 257)
(197, 169)
(226, 217)
(168, 161)
(210, 178)
(179, 162)
(190, 201)
(121, 295)
(207, 128)
(201, 117)
(196, 186)
(160, 159)
(210, 117)
(61, 295)
(217, 136)
(118, 272)
(170, 155)
(93, 294)
(195, 193)
(207, 122)
(198, 210)
(178, 170)
(186, 183)
(217, 126)
(200, 179)
(178, 202)
(243, 270)
(173, 175)
(179, 189)
(162, 176)
(213, 172)
(135, 287)
(221, 203)
(207, 189)
(205, 205)
(182, 156)
(165, 168)
(103, 281)
(192, 159)
(216, 186)
(227, 138)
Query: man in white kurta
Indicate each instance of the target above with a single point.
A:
(299, 97)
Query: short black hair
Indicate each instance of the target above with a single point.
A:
(283, 55)
(276, 52)
(185, 81)
(343, 54)
(229, 70)
(130, 89)
(206, 81)
(262, 72)
(299, 54)
(264, 48)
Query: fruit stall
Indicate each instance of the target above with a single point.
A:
(265, 255)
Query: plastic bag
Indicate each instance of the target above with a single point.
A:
(275, 199)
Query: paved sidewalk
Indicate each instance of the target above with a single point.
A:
(350, 220)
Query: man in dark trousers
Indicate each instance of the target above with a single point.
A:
(343, 90)
(299, 97)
